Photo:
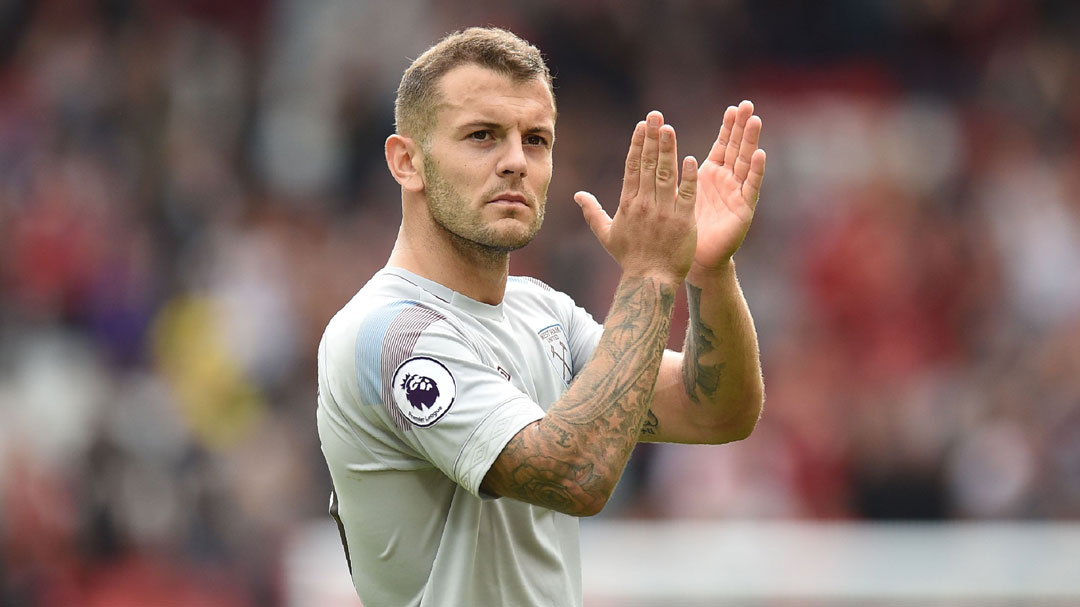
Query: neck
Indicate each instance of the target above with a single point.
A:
(477, 272)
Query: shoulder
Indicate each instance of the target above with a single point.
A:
(385, 306)
(366, 344)
(387, 322)
(386, 313)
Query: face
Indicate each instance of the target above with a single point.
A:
(487, 159)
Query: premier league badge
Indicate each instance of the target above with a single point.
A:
(557, 349)
(424, 390)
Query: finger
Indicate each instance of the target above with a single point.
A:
(595, 216)
(716, 154)
(650, 152)
(667, 167)
(745, 110)
(751, 188)
(748, 146)
(688, 186)
(632, 174)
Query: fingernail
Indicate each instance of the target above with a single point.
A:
(654, 120)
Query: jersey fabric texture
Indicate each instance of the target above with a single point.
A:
(420, 388)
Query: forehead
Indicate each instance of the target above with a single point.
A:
(471, 93)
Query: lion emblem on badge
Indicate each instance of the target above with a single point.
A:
(421, 391)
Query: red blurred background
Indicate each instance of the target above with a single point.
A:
(190, 189)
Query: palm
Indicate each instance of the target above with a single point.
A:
(729, 182)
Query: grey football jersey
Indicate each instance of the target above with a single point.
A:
(420, 388)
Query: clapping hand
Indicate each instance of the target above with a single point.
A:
(729, 182)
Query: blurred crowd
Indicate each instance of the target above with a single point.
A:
(189, 189)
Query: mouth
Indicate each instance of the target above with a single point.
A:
(510, 198)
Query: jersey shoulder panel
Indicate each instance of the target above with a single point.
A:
(386, 335)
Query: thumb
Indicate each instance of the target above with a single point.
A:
(595, 215)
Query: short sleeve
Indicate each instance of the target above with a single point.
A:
(442, 400)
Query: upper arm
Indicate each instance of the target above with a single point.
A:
(436, 394)
(675, 418)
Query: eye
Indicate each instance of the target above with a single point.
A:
(480, 135)
(536, 140)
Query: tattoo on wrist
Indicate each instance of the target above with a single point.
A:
(699, 379)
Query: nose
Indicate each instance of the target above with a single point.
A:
(513, 162)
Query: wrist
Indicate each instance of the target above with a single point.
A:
(659, 277)
(700, 274)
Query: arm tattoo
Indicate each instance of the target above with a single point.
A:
(570, 459)
(699, 380)
(651, 425)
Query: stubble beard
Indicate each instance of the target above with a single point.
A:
(450, 212)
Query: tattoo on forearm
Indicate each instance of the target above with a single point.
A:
(651, 425)
(564, 437)
(699, 379)
(569, 459)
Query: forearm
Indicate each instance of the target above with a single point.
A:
(572, 458)
(721, 366)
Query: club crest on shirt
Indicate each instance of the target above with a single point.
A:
(424, 390)
(557, 349)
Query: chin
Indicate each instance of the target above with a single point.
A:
(507, 245)
(512, 238)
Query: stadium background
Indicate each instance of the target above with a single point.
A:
(189, 189)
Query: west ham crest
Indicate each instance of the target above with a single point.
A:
(557, 349)
(424, 390)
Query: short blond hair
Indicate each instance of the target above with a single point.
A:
(490, 47)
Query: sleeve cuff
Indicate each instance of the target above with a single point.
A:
(488, 439)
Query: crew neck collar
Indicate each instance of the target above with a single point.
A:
(450, 296)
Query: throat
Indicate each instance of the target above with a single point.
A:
(475, 270)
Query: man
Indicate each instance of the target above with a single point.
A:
(467, 416)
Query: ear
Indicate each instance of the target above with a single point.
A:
(405, 162)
